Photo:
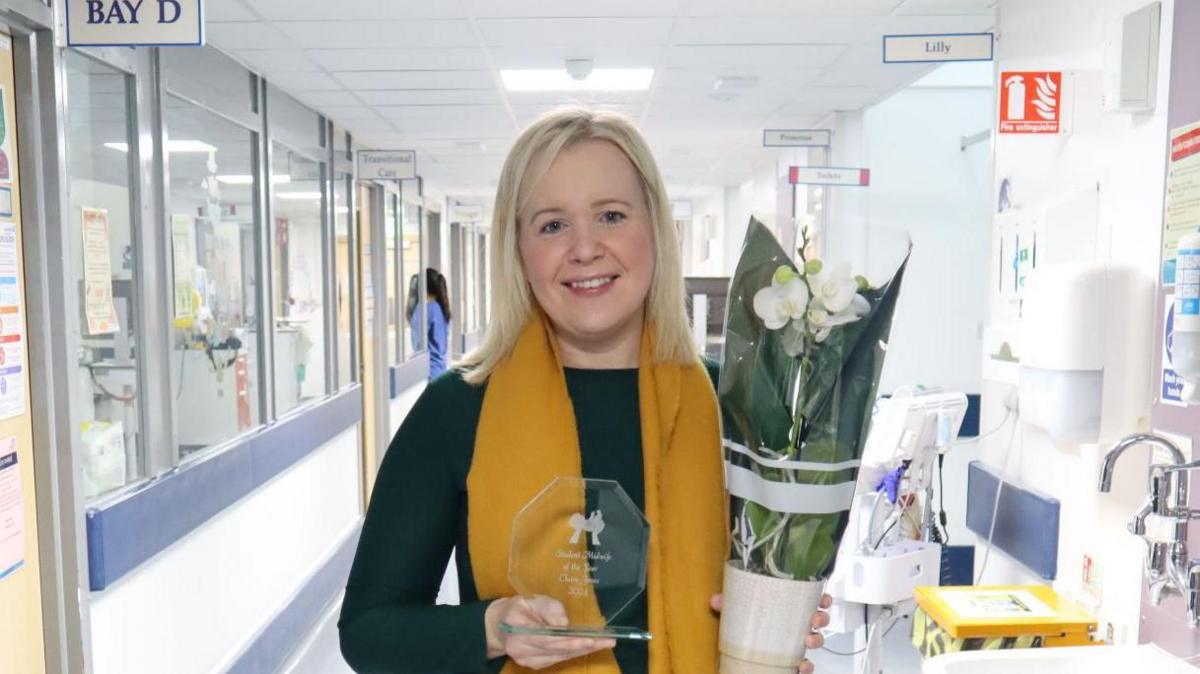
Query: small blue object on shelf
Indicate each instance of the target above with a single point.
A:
(1026, 522)
(958, 565)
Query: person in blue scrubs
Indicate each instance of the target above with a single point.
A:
(437, 319)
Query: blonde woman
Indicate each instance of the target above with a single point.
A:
(587, 369)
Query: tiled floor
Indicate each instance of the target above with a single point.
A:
(322, 655)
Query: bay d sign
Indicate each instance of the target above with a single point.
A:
(126, 12)
(135, 23)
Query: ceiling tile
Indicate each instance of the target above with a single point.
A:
(602, 55)
(571, 8)
(917, 25)
(433, 112)
(947, 6)
(791, 7)
(379, 34)
(246, 35)
(350, 113)
(462, 58)
(485, 96)
(355, 10)
(744, 56)
(276, 60)
(775, 30)
(294, 82)
(574, 33)
(417, 79)
(227, 10)
(327, 99)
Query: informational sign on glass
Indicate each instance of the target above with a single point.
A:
(1182, 214)
(97, 274)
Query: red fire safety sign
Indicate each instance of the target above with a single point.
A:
(1030, 102)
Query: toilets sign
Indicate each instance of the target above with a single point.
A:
(1031, 102)
(135, 23)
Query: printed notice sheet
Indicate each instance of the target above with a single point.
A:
(12, 510)
(12, 326)
(97, 274)
(1183, 194)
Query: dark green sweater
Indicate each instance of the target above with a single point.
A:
(418, 514)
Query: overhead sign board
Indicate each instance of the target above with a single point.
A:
(387, 164)
(797, 138)
(830, 175)
(943, 48)
(466, 213)
(135, 23)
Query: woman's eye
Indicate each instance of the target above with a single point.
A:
(613, 217)
(552, 227)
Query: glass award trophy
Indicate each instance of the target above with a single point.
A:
(584, 544)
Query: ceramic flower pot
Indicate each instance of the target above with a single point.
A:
(764, 621)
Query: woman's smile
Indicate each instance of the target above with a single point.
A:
(591, 286)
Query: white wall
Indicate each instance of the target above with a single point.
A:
(924, 185)
(401, 405)
(195, 606)
(1122, 154)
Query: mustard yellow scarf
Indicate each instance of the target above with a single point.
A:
(527, 436)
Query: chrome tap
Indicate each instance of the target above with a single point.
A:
(1169, 571)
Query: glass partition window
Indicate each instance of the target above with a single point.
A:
(343, 272)
(395, 276)
(214, 245)
(411, 263)
(298, 254)
(103, 273)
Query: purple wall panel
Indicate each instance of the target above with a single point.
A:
(1165, 625)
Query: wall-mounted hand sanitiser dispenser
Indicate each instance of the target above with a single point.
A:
(1086, 331)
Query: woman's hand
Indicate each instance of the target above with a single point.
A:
(527, 650)
(813, 641)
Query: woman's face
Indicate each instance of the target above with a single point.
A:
(587, 245)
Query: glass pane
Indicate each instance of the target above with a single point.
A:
(101, 259)
(410, 251)
(299, 286)
(345, 280)
(390, 226)
(214, 235)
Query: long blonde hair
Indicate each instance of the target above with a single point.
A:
(526, 164)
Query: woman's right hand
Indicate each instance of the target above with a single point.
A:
(533, 651)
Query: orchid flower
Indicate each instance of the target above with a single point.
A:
(785, 300)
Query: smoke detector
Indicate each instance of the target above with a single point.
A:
(579, 69)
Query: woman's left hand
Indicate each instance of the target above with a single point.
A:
(813, 641)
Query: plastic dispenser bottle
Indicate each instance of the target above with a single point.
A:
(1185, 349)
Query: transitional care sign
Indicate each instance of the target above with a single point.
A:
(387, 164)
(937, 48)
(797, 138)
(131, 23)
(829, 175)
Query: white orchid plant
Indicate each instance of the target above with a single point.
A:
(799, 375)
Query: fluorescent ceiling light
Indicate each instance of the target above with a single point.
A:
(276, 179)
(298, 195)
(172, 146)
(601, 79)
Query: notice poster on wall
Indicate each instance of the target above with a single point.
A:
(97, 274)
(1170, 390)
(1182, 213)
(12, 510)
(12, 326)
(183, 253)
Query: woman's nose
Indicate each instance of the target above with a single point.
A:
(585, 245)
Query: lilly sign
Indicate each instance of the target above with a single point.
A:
(135, 23)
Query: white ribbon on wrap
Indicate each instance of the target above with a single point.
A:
(789, 497)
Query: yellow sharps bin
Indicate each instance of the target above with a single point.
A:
(972, 618)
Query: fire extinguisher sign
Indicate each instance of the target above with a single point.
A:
(1031, 102)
